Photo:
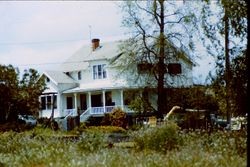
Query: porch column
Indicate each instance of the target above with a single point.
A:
(75, 95)
(59, 104)
(89, 99)
(103, 100)
(122, 105)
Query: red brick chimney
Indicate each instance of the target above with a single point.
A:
(95, 43)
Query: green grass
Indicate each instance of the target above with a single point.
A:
(42, 147)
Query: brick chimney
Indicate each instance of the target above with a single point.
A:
(95, 43)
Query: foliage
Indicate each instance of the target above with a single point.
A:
(236, 12)
(140, 105)
(8, 91)
(20, 95)
(105, 129)
(198, 149)
(238, 99)
(229, 25)
(220, 142)
(138, 101)
(92, 141)
(239, 84)
(30, 88)
(160, 139)
(197, 97)
(117, 117)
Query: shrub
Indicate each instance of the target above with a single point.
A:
(116, 118)
(106, 120)
(92, 141)
(162, 138)
(42, 120)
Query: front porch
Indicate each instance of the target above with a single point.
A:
(93, 104)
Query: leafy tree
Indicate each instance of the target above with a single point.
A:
(139, 101)
(239, 87)
(230, 24)
(158, 27)
(19, 96)
(198, 97)
(30, 88)
(8, 91)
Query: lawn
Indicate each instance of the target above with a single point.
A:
(147, 147)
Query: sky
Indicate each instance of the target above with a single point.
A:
(42, 34)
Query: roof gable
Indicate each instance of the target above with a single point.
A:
(80, 59)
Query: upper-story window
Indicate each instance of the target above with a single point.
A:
(99, 71)
(174, 68)
(79, 75)
(143, 68)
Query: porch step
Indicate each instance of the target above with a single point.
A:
(85, 115)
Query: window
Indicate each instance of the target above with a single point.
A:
(47, 101)
(99, 71)
(55, 102)
(144, 67)
(47, 80)
(174, 68)
(43, 102)
(67, 73)
(49, 104)
(79, 74)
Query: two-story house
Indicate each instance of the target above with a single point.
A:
(90, 83)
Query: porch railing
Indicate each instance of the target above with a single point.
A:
(69, 112)
(99, 111)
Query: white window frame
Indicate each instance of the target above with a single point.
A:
(48, 105)
(99, 71)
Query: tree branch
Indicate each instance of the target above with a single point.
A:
(175, 22)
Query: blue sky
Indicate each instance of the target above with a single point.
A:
(35, 34)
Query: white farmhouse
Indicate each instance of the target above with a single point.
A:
(90, 84)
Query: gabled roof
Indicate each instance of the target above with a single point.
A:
(58, 77)
(142, 54)
(80, 60)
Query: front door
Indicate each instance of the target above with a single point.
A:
(83, 102)
(69, 103)
(96, 100)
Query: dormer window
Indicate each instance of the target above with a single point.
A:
(79, 75)
(67, 73)
(99, 71)
(47, 79)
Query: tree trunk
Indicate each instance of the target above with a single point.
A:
(161, 65)
(227, 70)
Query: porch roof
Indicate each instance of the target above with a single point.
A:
(58, 77)
(99, 85)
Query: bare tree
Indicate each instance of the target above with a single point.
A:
(161, 32)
